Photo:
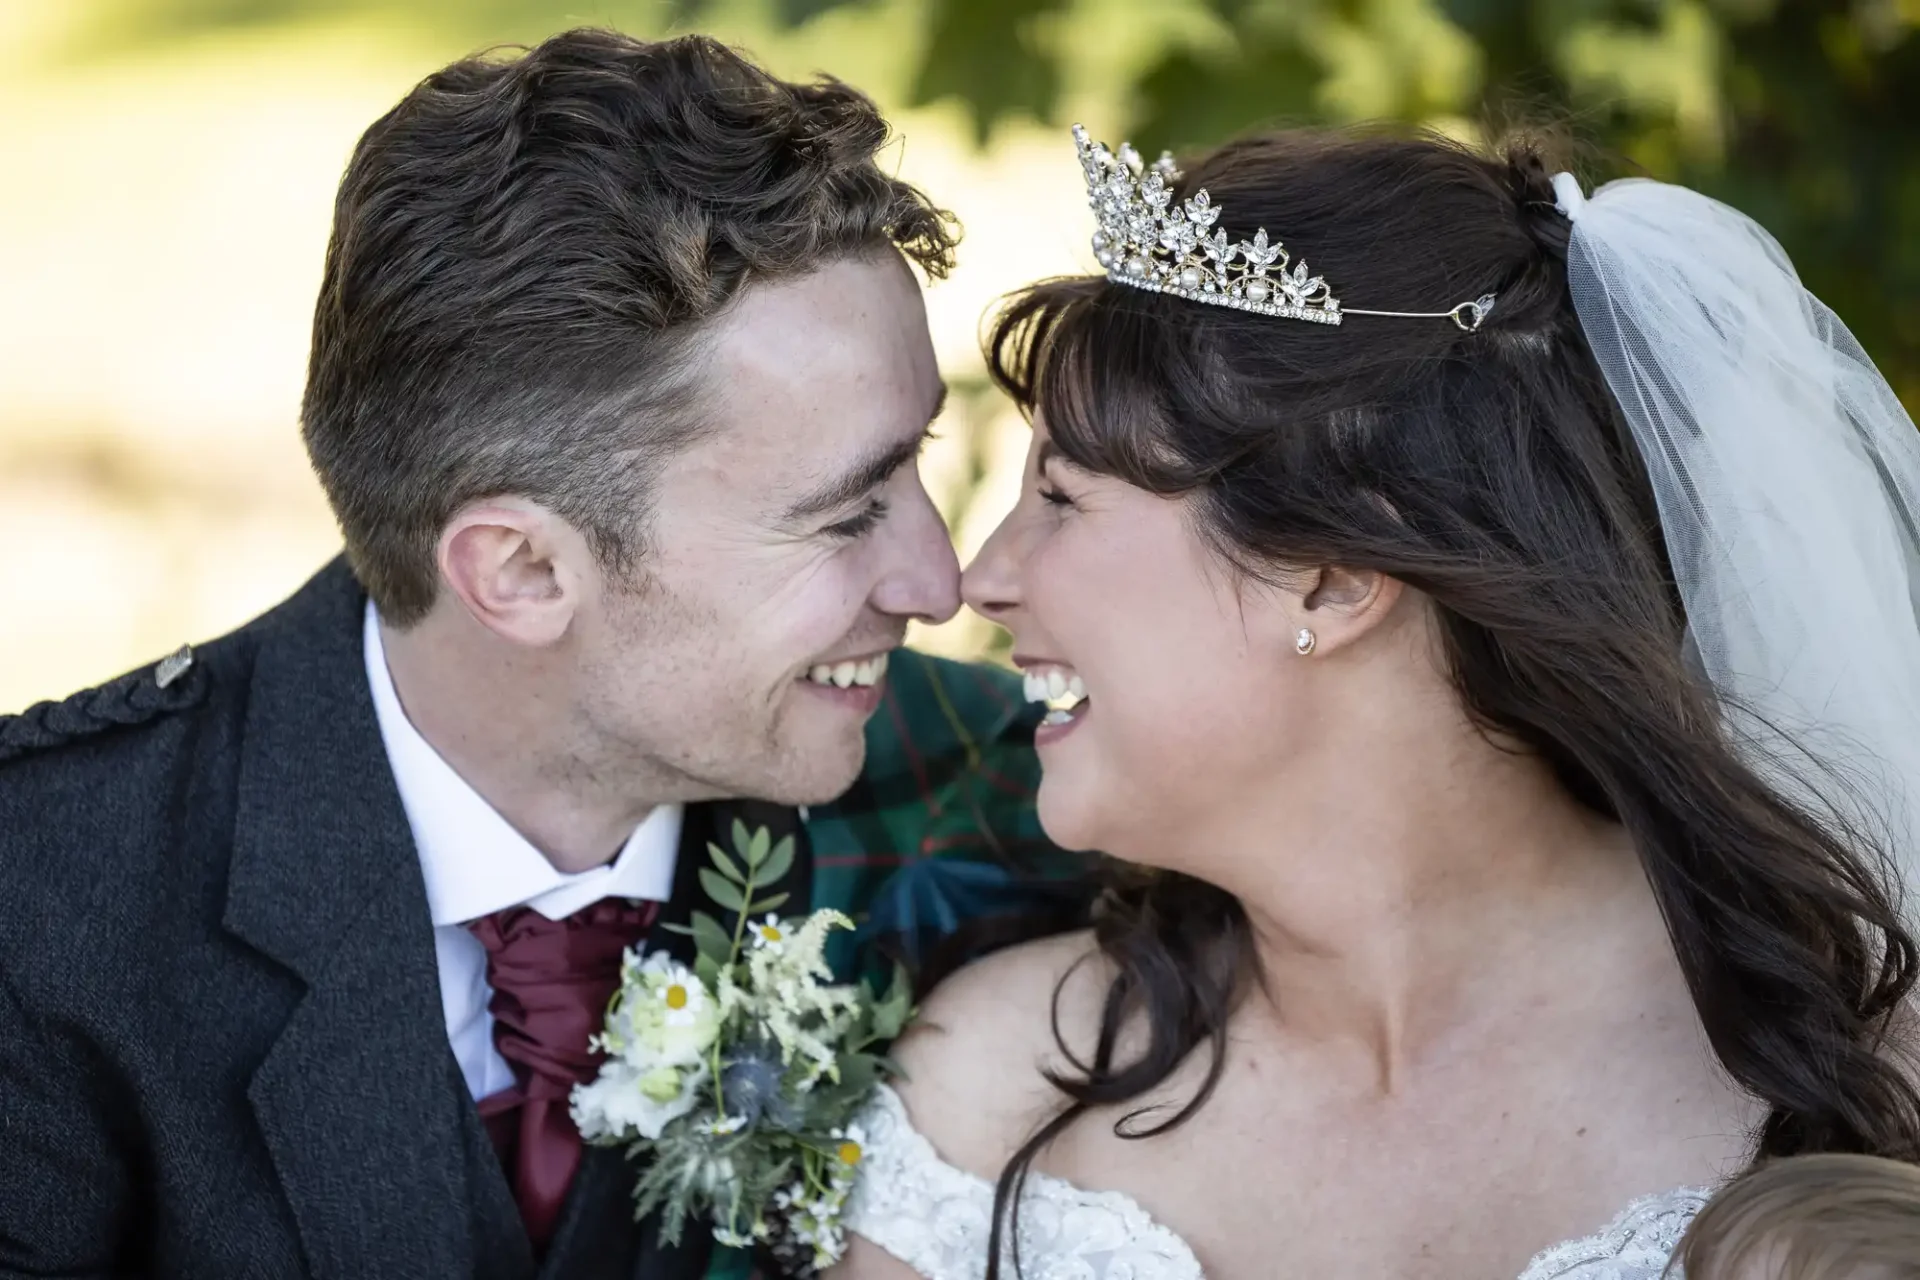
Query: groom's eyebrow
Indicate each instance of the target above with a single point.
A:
(866, 475)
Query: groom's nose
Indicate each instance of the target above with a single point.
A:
(922, 577)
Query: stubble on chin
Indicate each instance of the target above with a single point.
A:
(771, 763)
(814, 772)
(769, 747)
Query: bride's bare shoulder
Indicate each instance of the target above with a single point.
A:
(974, 1058)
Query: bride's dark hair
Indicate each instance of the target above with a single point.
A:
(1492, 472)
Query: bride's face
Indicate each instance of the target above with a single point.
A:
(1186, 667)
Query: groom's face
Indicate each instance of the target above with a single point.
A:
(788, 546)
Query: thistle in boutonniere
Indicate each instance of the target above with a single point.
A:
(740, 1077)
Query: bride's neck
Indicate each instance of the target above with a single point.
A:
(1403, 904)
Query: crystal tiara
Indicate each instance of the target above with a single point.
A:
(1142, 241)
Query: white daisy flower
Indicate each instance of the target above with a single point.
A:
(665, 1016)
(768, 933)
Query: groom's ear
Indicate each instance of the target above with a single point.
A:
(514, 566)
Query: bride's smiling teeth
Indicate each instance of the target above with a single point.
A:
(844, 675)
(1064, 692)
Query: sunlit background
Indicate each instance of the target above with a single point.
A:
(168, 168)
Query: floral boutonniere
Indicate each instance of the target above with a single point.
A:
(741, 1076)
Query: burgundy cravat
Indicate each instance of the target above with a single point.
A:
(551, 983)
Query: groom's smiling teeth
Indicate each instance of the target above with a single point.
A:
(843, 675)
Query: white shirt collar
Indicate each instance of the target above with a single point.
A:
(473, 860)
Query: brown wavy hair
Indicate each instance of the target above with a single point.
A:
(1492, 472)
(525, 252)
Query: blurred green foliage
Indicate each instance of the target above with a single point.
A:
(1804, 113)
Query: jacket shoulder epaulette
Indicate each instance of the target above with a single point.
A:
(174, 684)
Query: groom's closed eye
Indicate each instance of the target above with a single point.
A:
(860, 481)
(863, 523)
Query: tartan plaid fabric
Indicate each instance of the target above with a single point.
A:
(940, 829)
(939, 833)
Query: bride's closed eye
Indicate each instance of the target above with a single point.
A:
(1053, 497)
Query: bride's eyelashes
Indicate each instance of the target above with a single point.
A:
(1053, 497)
(859, 525)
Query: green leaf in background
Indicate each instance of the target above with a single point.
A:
(892, 1013)
(1192, 99)
(787, 14)
(722, 861)
(859, 1072)
(721, 890)
(777, 864)
(774, 903)
(711, 938)
(988, 54)
(794, 13)
(707, 969)
(757, 853)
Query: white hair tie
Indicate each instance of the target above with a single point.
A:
(1567, 196)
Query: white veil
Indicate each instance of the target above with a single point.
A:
(1788, 481)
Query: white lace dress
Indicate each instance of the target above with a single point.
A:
(935, 1218)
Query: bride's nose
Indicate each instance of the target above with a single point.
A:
(990, 585)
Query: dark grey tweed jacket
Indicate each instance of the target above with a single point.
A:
(222, 1052)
